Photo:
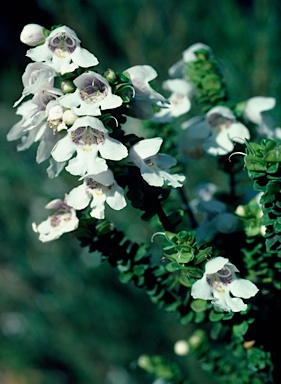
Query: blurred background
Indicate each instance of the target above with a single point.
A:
(64, 316)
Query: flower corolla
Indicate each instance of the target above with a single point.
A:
(154, 166)
(217, 131)
(179, 100)
(61, 221)
(88, 137)
(61, 51)
(140, 76)
(98, 189)
(220, 283)
(93, 94)
(36, 76)
(255, 106)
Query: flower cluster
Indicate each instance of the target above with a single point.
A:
(67, 112)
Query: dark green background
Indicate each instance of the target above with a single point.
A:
(63, 317)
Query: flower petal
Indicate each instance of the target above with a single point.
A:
(227, 303)
(151, 177)
(238, 132)
(112, 149)
(146, 148)
(78, 198)
(215, 264)
(63, 150)
(97, 206)
(243, 288)
(115, 198)
(256, 105)
(201, 290)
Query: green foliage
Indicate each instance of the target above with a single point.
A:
(205, 74)
(263, 164)
(63, 339)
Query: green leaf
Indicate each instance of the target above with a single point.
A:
(215, 316)
(125, 277)
(187, 318)
(254, 163)
(196, 273)
(198, 305)
(202, 254)
(184, 280)
(240, 329)
(172, 307)
(172, 267)
(184, 257)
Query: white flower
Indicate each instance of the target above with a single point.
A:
(217, 131)
(26, 110)
(36, 76)
(255, 106)
(88, 137)
(99, 188)
(47, 143)
(62, 51)
(178, 69)
(219, 281)
(154, 166)
(140, 76)
(254, 112)
(63, 220)
(58, 117)
(92, 95)
(179, 100)
(32, 34)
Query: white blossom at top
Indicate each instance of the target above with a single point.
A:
(32, 34)
(61, 221)
(178, 70)
(101, 189)
(154, 166)
(217, 131)
(219, 281)
(61, 51)
(180, 104)
(36, 76)
(88, 137)
(92, 95)
(140, 76)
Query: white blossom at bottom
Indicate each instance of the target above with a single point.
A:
(219, 281)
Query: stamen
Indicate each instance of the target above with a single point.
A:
(155, 234)
(236, 153)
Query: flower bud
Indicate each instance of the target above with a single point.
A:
(69, 117)
(181, 348)
(32, 34)
(67, 86)
(110, 75)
